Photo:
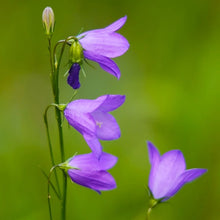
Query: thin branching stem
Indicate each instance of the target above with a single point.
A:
(50, 146)
(48, 191)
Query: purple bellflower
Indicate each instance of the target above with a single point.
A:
(168, 173)
(99, 46)
(86, 170)
(92, 120)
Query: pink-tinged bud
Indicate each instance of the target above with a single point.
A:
(48, 21)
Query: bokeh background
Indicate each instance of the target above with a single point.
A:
(170, 76)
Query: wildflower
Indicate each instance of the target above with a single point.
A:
(168, 173)
(92, 120)
(99, 46)
(48, 21)
(86, 170)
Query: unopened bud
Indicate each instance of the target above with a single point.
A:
(48, 21)
(76, 52)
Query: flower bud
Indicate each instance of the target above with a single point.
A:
(76, 52)
(48, 21)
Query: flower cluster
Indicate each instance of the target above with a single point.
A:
(91, 117)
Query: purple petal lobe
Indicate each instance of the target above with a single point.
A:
(154, 155)
(96, 180)
(111, 102)
(94, 145)
(107, 161)
(185, 177)
(109, 29)
(116, 25)
(105, 63)
(106, 44)
(73, 78)
(106, 126)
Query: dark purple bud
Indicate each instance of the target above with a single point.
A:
(73, 78)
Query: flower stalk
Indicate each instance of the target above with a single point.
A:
(55, 67)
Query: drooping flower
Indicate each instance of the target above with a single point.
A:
(92, 120)
(99, 46)
(168, 173)
(88, 171)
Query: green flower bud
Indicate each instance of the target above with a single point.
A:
(48, 21)
(76, 52)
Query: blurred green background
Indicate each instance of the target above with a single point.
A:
(170, 76)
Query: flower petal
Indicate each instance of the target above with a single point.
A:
(106, 44)
(170, 167)
(107, 161)
(85, 105)
(106, 126)
(154, 157)
(73, 78)
(105, 63)
(111, 28)
(116, 25)
(185, 177)
(91, 162)
(111, 103)
(94, 144)
(96, 180)
(82, 122)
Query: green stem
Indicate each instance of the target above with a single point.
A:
(59, 124)
(53, 187)
(48, 191)
(55, 85)
(148, 213)
(64, 195)
(50, 147)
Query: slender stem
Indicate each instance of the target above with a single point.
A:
(64, 195)
(53, 187)
(50, 147)
(49, 205)
(51, 56)
(148, 213)
(55, 84)
(48, 191)
(59, 124)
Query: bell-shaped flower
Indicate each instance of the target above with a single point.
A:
(92, 120)
(99, 46)
(86, 170)
(168, 173)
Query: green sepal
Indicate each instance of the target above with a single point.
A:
(76, 52)
(152, 201)
(65, 165)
